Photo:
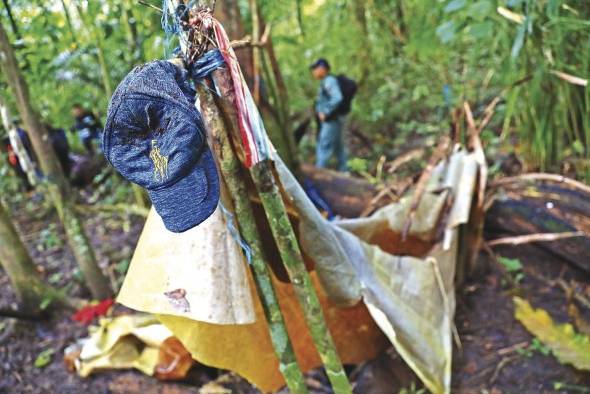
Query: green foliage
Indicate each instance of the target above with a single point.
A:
(402, 53)
(536, 346)
(412, 390)
(49, 238)
(44, 358)
(513, 267)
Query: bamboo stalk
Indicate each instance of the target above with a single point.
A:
(233, 177)
(284, 236)
(286, 241)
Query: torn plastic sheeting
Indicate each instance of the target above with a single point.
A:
(247, 349)
(411, 299)
(198, 274)
(130, 341)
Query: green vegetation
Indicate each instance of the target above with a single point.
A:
(415, 61)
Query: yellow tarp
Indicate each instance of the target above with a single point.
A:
(247, 350)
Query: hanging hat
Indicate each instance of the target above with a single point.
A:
(154, 137)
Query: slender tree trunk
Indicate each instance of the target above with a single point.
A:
(11, 19)
(69, 22)
(57, 187)
(96, 35)
(16, 262)
(360, 14)
(257, 51)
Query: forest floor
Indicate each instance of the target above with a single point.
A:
(487, 363)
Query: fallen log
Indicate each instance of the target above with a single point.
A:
(347, 196)
(545, 207)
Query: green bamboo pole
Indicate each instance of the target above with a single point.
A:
(286, 241)
(233, 176)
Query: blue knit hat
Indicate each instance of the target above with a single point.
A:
(154, 136)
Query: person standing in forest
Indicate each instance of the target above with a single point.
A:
(87, 127)
(330, 113)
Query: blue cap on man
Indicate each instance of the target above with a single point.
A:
(154, 136)
(321, 62)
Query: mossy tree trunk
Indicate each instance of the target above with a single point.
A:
(54, 180)
(18, 265)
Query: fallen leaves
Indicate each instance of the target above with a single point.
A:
(568, 346)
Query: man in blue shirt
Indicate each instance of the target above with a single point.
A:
(87, 127)
(331, 138)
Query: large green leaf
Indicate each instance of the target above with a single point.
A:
(566, 344)
(455, 5)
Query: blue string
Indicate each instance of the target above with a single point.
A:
(236, 234)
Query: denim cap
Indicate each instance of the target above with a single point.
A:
(154, 137)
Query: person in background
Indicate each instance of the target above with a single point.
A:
(331, 137)
(60, 144)
(13, 159)
(87, 127)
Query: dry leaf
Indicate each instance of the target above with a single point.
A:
(568, 346)
(174, 361)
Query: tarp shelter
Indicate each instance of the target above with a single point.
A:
(372, 285)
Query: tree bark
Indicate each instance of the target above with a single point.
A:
(15, 260)
(55, 182)
(11, 19)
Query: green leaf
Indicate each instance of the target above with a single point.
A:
(446, 32)
(454, 5)
(511, 265)
(481, 9)
(482, 30)
(518, 41)
(44, 358)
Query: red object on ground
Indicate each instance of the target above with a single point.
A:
(88, 313)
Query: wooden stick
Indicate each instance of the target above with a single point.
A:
(438, 154)
(286, 241)
(543, 237)
(538, 176)
(234, 179)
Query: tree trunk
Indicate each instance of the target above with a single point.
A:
(15, 260)
(55, 182)
(11, 19)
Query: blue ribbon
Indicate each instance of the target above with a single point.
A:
(236, 234)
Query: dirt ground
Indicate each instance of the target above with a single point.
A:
(488, 331)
